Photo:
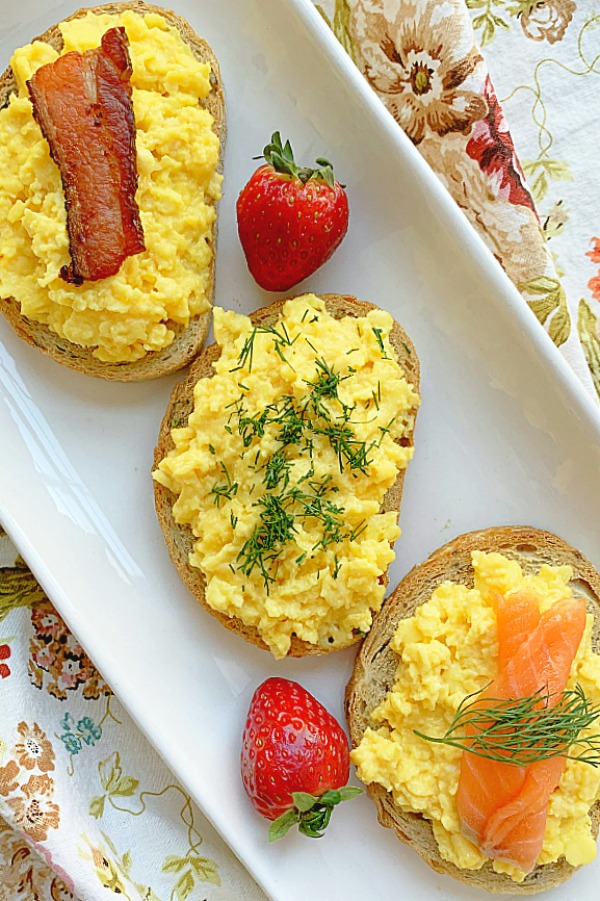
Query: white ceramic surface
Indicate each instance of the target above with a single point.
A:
(505, 435)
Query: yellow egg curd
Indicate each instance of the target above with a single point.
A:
(447, 651)
(131, 313)
(282, 468)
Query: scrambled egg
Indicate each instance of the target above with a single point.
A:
(124, 316)
(448, 650)
(283, 466)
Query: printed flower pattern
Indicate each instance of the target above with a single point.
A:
(492, 146)
(57, 660)
(34, 750)
(418, 62)
(4, 655)
(23, 875)
(34, 811)
(8, 778)
(594, 255)
(546, 20)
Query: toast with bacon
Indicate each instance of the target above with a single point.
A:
(189, 339)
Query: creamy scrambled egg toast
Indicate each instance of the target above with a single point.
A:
(158, 293)
(284, 471)
(447, 649)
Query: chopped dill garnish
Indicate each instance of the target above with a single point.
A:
(385, 430)
(227, 490)
(358, 530)
(277, 469)
(378, 334)
(246, 356)
(251, 426)
(349, 449)
(337, 566)
(293, 422)
(274, 530)
(211, 449)
(522, 731)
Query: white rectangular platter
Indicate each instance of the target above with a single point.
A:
(505, 435)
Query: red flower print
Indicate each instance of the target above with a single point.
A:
(594, 255)
(492, 146)
(4, 655)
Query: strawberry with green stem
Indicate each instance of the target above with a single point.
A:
(290, 218)
(295, 759)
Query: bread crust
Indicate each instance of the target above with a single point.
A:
(376, 664)
(188, 340)
(179, 538)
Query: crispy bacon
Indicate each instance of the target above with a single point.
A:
(82, 103)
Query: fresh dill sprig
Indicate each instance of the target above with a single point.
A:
(228, 490)
(280, 340)
(325, 385)
(349, 449)
(296, 422)
(273, 531)
(277, 470)
(522, 731)
(290, 421)
(378, 334)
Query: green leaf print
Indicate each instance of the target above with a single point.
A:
(340, 25)
(97, 806)
(112, 779)
(18, 588)
(174, 864)
(588, 326)
(184, 886)
(487, 20)
(201, 867)
(547, 298)
(206, 870)
(543, 170)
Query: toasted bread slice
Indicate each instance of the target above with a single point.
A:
(179, 538)
(376, 664)
(188, 340)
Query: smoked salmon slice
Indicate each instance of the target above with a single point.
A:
(82, 103)
(503, 807)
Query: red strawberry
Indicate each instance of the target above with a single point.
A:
(295, 759)
(290, 219)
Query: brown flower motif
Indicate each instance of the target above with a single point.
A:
(34, 811)
(418, 56)
(34, 750)
(8, 778)
(547, 20)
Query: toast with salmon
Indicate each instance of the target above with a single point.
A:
(188, 339)
(180, 538)
(377, 664)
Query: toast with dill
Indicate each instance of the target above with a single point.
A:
(179, 537)
(188, 339)
(377, 663)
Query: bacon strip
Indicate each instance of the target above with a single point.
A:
(82, 103)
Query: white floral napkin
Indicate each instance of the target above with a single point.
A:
(87, 808)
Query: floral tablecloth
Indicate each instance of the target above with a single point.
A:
(502, 99)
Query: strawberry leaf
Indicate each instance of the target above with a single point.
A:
(304, 801)
(281, 157)
(282, 825)
(312, 814)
